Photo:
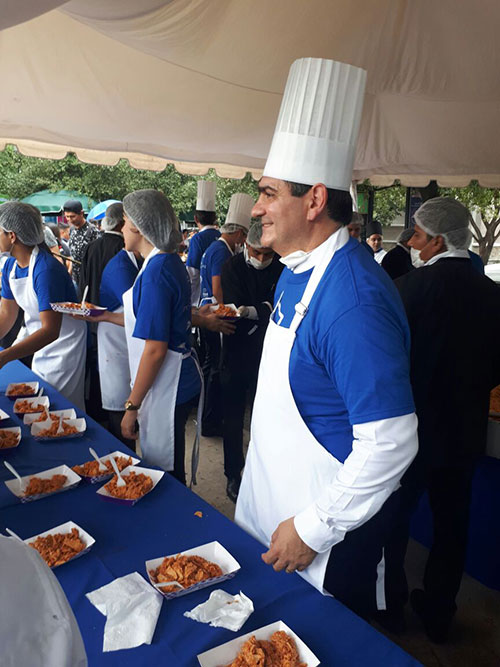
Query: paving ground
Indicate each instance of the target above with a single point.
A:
(475, 639)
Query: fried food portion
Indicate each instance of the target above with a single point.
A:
(495, 400)
(186, 570)
(91, 468)
(225, 311)
(76, 306)
(46, 415)
(37, 485)
(280, 651)
(51, 432)
(25, 407)
(136, 486)
(8, 439)
(59, 548)
(21, 389)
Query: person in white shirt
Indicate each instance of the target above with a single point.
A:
(374, 238)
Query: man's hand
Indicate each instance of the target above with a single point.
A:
(287, 550)
(128, 425)
(207, 319)
(243, 311)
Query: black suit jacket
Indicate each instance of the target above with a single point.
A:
(397, 262)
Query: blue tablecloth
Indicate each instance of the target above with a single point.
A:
(164, 522)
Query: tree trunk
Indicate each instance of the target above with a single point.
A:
(487, 241)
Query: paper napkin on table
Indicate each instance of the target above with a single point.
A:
(131, 607)
(222, 610)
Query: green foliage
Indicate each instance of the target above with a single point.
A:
(388, 202)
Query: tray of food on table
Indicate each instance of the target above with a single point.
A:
(22, 389)
(138, 483)
(10, 437)
(61, 544)
(57, 429)
(54, 415)
(90, 471)
(23, 406)
(44, 483)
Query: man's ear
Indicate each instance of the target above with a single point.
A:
(439, 243)
(317, 201)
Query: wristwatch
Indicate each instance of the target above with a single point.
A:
(130, 406)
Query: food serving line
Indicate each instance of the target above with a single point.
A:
(168, 520)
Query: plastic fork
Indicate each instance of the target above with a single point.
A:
(161, 584)
(85, 292)
(22, 482)
(101, 464)
(60, 428)
(121, 481)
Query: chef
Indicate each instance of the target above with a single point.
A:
(32, 279)
(374, 239)
(157, 312)
(207, 233)
(333, 426)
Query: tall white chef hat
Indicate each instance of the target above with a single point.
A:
(317, 129)
(239, 212)
(205, 200)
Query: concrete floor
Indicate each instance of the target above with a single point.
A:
(475, 637)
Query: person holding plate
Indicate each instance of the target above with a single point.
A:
(32, 279)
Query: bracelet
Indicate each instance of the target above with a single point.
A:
(129, 406)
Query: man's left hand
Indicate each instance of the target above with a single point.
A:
(287, 551)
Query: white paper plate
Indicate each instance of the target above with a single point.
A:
(3, 415)
(87, 539)
(79, 424)
(72, 481)
(31, 417)
(212, 551)
(155, 475)
(226, 653)
(62, 307)
(105, 476)
(12, 429)
(34, 385)
(236, 315)
(38, 400)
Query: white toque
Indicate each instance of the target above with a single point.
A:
(240, 210)
(318, 124)
(205, 200)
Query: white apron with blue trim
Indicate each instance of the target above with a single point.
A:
(286, 467)
(62, 362)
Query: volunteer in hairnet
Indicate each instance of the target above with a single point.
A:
(333, 426)
(233, 234)
(450, 307)
(157, 317)
(32, 279)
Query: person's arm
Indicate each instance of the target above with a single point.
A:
(151, 361)
(8, 315)
(217, 289)
(194, 277)
(48, 333)
(105, 316)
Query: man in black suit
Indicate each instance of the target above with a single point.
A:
(397, 262)
(454, 317)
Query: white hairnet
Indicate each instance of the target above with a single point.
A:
(406, 235)
(24, 220)
(113, 217)
(254, 235)
(49, 238)
(231, 228)
(152, 214)
(446, 217)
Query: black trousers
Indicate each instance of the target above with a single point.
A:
(351, 574)
(449, 490)
(212, 408)
(182, 412)
(114, 427)
(238, 386)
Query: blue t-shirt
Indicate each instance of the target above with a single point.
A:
(198, 244)
(51, 280)
(162, 307)
(211, 265)
(350, 360)
(118, 277)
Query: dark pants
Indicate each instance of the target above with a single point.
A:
(93, 399)
(182, 412)
(212, 409)
(238, 385)
(351, 573)
(114, 427)
(449, 495)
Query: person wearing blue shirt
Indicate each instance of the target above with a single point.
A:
(32, 279)
(157, 318)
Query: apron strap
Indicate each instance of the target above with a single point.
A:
(195, 455)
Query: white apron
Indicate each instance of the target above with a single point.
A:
(112, 354)
(156, 416)
(286, 467)
(61, 363)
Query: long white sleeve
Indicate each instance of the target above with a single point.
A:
(381, 452)
(194, 277)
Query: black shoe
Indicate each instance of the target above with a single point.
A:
(392, 620)
(436, 624)
(232, 488)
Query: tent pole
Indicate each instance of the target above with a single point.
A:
(408, 208)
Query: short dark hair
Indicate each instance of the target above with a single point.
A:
(339, 204)
(205, 217)
(73, 206)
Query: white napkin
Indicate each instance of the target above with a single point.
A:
(131, 607)
(222, 610)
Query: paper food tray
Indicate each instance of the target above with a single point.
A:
(3, 415)
(106, 476)
(79, 424)
(212, 551)
(12, 429)
(155, 475)
(72, 481)
(37, 400)
(35, 386)
(62, 307)
(87, 539)
(226, 653)
(31, 417)
(231, 318)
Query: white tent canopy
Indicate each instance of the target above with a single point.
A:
(199, 82)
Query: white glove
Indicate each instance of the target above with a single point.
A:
(243, 311)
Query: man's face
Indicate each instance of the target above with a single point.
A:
(64, 231)
(262, 254)
(74, 219)
(428, 246)
(354, 229)
(375, 242)
(283, 216)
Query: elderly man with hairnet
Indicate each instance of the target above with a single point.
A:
(397, 261)
(450, 308)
